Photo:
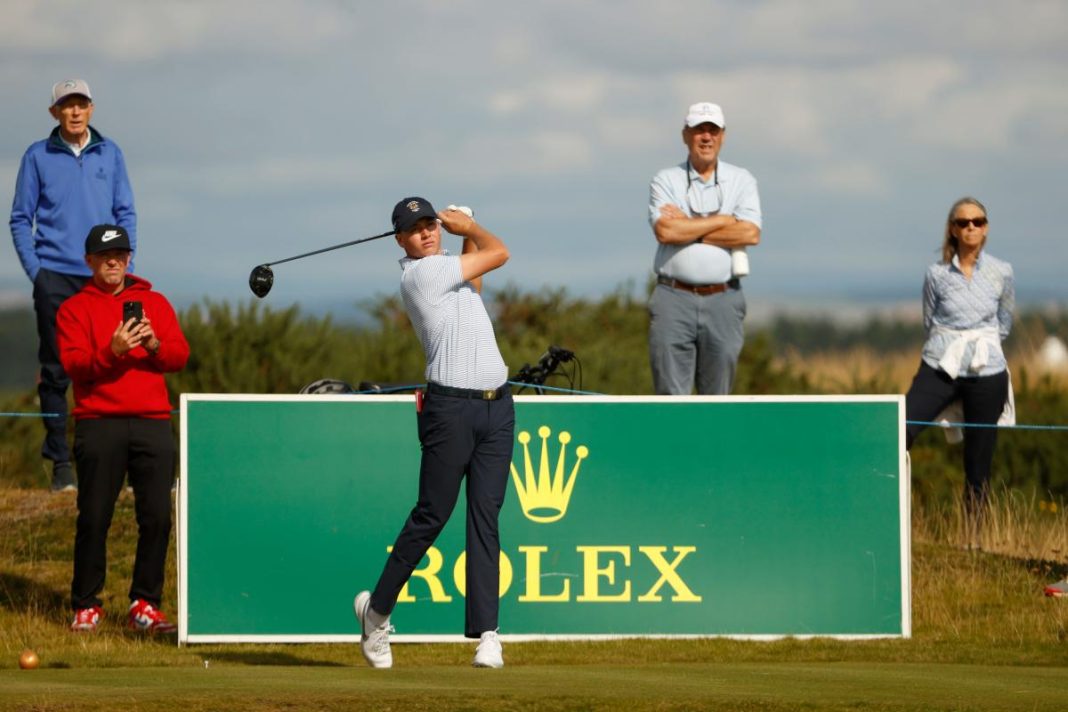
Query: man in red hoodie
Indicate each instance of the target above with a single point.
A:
(116, 339)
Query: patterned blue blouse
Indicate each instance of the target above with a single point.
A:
(967, 319)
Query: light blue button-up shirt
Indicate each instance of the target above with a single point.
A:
(953, 304)
(736, 195)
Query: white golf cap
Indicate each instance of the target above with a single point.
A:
(61, 90)
(704, 112)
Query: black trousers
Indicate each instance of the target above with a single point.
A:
(459, 436)
(105, 450)
(50, 289)
(983, 398)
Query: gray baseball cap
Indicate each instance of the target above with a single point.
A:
(61, 90)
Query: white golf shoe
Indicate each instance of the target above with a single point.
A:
(488, 654)
(374, 640)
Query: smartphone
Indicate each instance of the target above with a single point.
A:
(131, 310)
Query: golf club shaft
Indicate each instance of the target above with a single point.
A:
(335, 247)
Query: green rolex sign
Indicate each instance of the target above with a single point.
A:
(750, 517)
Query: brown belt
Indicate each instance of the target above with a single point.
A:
(700, 289)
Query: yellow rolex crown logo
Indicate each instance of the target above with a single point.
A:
(544, 496)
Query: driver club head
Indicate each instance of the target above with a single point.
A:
(261, 280)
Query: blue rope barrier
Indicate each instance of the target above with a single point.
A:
(176, 411)
(29, 415)
(552, 388)
(393, 389)
(988, 425)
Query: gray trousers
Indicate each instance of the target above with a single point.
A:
(695, 338)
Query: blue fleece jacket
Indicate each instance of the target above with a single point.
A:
(63, 196)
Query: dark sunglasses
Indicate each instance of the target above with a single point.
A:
(965, 222)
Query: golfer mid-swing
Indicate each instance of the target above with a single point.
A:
(466, 422)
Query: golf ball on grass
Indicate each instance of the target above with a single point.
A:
(28, 660)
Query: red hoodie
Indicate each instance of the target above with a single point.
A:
(130, 385)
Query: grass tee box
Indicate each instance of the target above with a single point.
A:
(750, 517)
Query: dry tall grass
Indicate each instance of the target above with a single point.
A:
(985, 586)
(1024, 527)
(865, 370)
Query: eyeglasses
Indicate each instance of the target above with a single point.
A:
(702, 195)
(965, 222)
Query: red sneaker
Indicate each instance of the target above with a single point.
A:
(87, 619)
(148, 619)
(1058, 590)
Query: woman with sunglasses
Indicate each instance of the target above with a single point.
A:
(968, 298)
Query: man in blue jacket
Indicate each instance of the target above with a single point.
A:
(67, 183)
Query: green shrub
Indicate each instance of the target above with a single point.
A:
(251, 348)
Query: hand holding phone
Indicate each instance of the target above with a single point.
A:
(132, 310)
(126, 337)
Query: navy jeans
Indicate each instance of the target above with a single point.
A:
(459, 436)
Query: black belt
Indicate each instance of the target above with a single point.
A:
(700, 289)
(490, 394)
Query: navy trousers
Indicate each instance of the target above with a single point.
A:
(459, 436)
(50, 290)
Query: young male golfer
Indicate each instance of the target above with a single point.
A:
(466, 422)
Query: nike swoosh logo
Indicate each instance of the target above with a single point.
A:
(109, 235)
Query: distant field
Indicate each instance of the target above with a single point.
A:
(640, 685)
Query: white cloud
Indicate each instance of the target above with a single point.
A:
(650, 38)
(847, 178)
(987, 114)
(841, 108)
(127, 30)
(476, 157)
(8, 172)
(534, 153)
(27, 25)
(575, 93)
(566, 95)
(629, 133)
(800, 110)
(507, 102)
(271, 173)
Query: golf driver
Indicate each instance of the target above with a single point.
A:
(262, 278)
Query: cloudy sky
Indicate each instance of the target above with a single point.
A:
(254, 131)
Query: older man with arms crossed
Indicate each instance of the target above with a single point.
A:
(701, 210)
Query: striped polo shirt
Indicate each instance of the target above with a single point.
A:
(452, 324)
